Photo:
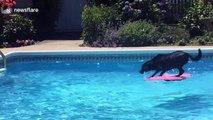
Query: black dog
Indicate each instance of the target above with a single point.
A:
(165, 62)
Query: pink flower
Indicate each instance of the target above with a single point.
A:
(26, 42)
(18, 41)
(9, 4)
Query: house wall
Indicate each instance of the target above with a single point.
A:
(23, 3)
(70, 16)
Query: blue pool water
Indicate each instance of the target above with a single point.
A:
(103, 90)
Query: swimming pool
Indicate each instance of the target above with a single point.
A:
(101, 86)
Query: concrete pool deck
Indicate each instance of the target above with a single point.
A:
(65, 45)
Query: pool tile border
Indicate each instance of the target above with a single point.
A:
(91, 55)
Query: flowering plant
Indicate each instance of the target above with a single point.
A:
(25, 42)
(154, 10)
(18, 43)
(7, 3)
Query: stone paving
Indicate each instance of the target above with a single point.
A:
(75, 45)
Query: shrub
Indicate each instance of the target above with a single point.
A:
(110, 39)
(95, 21)
(142, 33)
(138, 33)
(206, 39)
(18, 27)
(193, 21)
(173, 35)
(153, 10)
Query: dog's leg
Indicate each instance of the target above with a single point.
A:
(181, 71)
(154, 73)
(161, 74)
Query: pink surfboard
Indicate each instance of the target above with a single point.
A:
(169, 77)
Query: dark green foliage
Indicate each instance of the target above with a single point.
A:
(153, 10)
(193, 21)
(139, 33)
(206, 39)
(110, 39)
(95, 21)
(18, 27)
(125, 24)
(142, 33)
(173, 35)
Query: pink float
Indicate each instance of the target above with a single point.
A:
(169, 77)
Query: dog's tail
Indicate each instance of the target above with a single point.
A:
(198, 57)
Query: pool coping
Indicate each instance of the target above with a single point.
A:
(70, 55)
(75, 45)
(93, 55)
(106, 51)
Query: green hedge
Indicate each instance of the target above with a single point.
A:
(193, 21)
(95, 21)
(139, 33)
(173, 35)
(206, 39)
(98, 22)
